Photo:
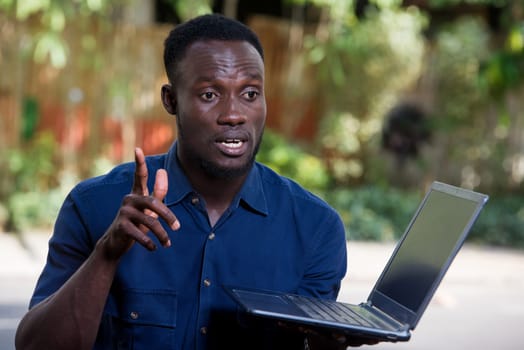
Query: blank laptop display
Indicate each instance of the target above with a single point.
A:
(405, 287)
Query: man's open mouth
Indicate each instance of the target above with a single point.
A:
(232, 146)
(232, 143)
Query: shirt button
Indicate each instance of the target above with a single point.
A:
(203, 330)
(133, 315)
(207, 282)
(211, 236)
(195, 200)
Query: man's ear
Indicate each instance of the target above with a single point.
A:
(169, 99)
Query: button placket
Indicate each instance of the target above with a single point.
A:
(207, 281)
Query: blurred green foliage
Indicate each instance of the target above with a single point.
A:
(381, 213)
(444, 3)
(374, 212)
(501, 222)
(33, 187)
(54, 15)
(189, 9)
(505, 68)
(33, 166)
(291, 160)
(459, 49)
(364, 66)
(34, 209)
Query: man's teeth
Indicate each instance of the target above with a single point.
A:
(233, 143)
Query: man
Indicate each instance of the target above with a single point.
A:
(219, 217)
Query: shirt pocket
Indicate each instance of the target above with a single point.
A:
(145, 319)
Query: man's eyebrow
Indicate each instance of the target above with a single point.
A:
(214, 78)
(205, 79)
(256, 76)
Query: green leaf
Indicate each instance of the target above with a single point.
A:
(56, 18)
(95, 5)
(50, 45)
(26, 8)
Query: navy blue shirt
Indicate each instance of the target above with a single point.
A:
(275, 235)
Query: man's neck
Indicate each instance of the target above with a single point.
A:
(217, 192)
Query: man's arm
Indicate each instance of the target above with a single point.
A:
(323, 279)
(70, 318)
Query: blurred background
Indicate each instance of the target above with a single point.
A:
(369, 101)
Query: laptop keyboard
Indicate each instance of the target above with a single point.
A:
(330, 311)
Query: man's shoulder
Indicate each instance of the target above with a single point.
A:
(278, 186)
(118, 179)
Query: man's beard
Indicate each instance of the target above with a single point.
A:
(216, 171)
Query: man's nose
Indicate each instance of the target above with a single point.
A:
(232, 112)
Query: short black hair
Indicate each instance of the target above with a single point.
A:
(206, 27)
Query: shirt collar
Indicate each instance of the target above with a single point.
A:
(251, 193)
(178, 184)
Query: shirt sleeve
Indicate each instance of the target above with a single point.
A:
(69, 247)
(327, 263)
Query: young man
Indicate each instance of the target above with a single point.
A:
(136, 264)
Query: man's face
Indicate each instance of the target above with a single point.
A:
(220, 107)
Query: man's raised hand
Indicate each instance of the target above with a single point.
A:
(140, 213)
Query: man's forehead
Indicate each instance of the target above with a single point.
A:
(212, 52)
(222, 45)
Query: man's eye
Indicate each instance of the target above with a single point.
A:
(251, 95)
(208, 96)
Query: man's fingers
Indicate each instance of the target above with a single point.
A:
(140, 181)
(150, 223)
(160, 189)
(156, 208)
(159, 193)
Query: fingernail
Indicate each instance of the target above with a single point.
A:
(168, 243)
(175, 225)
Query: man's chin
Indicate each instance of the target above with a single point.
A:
(222, 172)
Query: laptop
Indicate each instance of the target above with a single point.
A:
(405, 287)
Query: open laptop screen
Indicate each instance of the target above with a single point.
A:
(420, 260)
(424, 254)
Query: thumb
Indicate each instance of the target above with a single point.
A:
(160, 188)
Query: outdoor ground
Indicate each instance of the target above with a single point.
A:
(479, 305)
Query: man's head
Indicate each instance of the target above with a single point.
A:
(207, 27)
(216, 72)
